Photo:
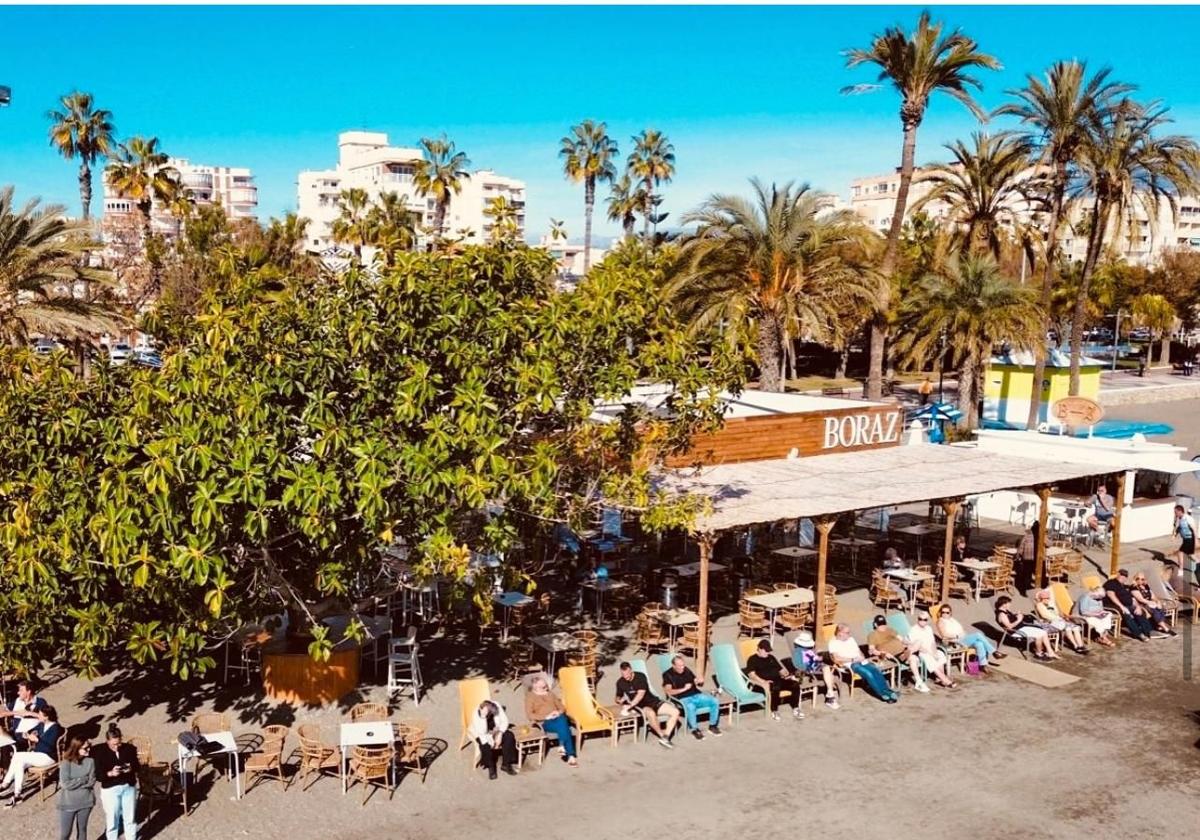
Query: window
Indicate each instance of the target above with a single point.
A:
(881, 188)
(855, 191)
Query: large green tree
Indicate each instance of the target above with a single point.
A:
(918, 65)
(770, 269)
(587, 154)
(293, 431)
(81, 130)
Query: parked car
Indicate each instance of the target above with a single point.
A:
(147, 358)
(1139, 334)
(119, 354)
(45, 346)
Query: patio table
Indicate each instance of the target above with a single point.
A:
(910, 579)
(796, 553)
(978, 567)
(776, 601)
(228, 747)
(674, 619)
(600, 586)
(920, 531)
(854, 544)
(509, 600)
(377, 733)
(554, 644)
(693, 569)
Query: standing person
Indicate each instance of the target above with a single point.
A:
(1133, 615)
(547, 711)
(925, 389)
(633, 693)
(77, 778)
(1026, 558)
(1103, 509)
(766, 670)
(845, 653)
(41, 751)
(1185, 529)
(684, 686)
(490, 730)
(807, 661)
(117, 770)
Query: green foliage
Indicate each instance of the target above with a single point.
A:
(293, 430)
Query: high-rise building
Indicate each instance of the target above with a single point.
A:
(230, 186)
(1139, 238)
(366, 161)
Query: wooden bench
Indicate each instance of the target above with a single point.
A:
(834, 392)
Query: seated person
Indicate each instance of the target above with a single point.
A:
(544, 708)
(766, 670)
(960, 552)
(885, 643)
(489, 728)
(1019, 626)
(682, 685)
(921, 638)
(1046, 611)
(1143, 596)
(1103, 509)
(21, 715)
(891, 559)
(806, 660)
(633, 693)
(40, 750)
(1133, 614)
(951, 631)
(1090, 607)
(845, 653)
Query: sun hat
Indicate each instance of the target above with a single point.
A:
(804, 639)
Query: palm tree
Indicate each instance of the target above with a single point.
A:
(587, 154)
(1156, 314)
(558, 230)
(353, 226)
(652, 162)
(918, 65)
(140, 173)
(988, 187)
(504, 219)
(625, 200)
(81, 131)
(286, 242)
(43, 256)
(1058, 115)
(772, 267)
(439, 175)
(393, 226)
(1125, 167)
(978, 308)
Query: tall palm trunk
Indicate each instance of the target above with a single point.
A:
(891, 254)
(1164, 351)
(966, 390)
(647, 204)
(439, 219)
(85, 188)
(770, 348)
(589, 201)
(627, 224)
(1100, 211)
(1039, 346)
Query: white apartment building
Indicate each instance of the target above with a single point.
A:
(230, 186)
(366, 161)
(1139, 240)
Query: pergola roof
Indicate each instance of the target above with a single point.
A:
(757, 492)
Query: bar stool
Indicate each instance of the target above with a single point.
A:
(404, 666)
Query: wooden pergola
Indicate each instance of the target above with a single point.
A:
(824, 488)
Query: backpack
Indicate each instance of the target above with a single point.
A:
(197, 744)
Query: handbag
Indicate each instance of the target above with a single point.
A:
(973, 668)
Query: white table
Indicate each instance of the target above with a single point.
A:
(600, 586)
(554, 644)
(910, 579)
(693, 569)
(509, 600)
(978, 567)
(377, 733)
(920, 531)
(228, 747)
(776, 601)
(674, 619)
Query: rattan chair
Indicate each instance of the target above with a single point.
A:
(410, 746)
(587, 660)
(883, 592)
(650, 634)
(958, 586)
(588, 639)
(207, 722)
(689, 640)
(752, 619)
(374, 767)
(795, 617)
(369, 713)
(315, 755)
(268, 759)
(41, 774)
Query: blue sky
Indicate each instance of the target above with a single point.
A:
(740, 91)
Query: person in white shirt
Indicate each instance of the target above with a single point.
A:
(952, 632)
(489, 728)
(845, 653)
(920, 636)
(21, 716)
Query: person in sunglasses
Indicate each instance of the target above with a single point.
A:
(952, 632)
(921, 637)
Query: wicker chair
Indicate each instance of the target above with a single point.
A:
(782, 587)
(410, 741)
(211, 722)
(997, 580)
(374, 767)
(369, 713)
(315, 755)
(41, 774)
(958, 586)
(650, 634)
(268, 760)
(927, 593)
(883, 592)
(588, 639)
(520, 662)
(752, 619)
(690, 639)
(795, 617)
(829, 611)
(587, 660)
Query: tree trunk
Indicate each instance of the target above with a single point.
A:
(439, 219)
(1039, 346)
(589, 201)
(647, 206)
(769, 351)
(891, 253)
(1094, 246)
(966, 391)
(85, 189)
(1164, 353)
(628, 223)
(842, 362)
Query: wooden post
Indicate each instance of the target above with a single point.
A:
(1114, 536)
(824, 526)
(1040, 544)
(705, 543)
(951, 508)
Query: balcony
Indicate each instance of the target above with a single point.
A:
(244, 195)
(198, 181)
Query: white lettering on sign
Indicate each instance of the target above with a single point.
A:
(861, 430)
